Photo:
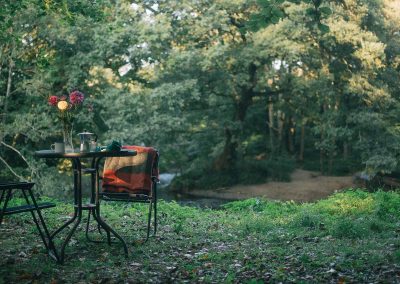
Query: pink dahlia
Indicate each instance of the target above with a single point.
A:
(76, 98)
(53, 100)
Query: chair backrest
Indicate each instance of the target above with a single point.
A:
(131, 174)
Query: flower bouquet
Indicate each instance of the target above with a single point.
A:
(67, 106)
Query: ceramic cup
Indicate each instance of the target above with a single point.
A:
(58, 147)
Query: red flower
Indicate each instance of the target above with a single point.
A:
(53, 100)
(76, 98)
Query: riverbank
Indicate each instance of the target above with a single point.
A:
(305, 186)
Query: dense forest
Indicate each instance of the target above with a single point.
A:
(229, 91)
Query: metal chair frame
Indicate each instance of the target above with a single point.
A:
(150, 198)
(7, 190)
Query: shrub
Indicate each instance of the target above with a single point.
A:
(388, 205)
(252, 171)
(252, 204)
(280, 168)
(308, 219)
(347, 228)
(247, 171)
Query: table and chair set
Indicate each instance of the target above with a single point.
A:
(129, 174)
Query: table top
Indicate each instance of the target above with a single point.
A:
(100, 154)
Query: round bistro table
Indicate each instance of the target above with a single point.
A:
(94, 205)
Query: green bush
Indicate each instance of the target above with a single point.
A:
(376, 226)
(280, 168)
(252, 204)
(348, 228)
(247, 171)
(345, 166)
(252, 171)
(309, 219)
(387, 205)
(340, 166)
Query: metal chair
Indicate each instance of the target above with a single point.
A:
(7, 191)
(132, 179)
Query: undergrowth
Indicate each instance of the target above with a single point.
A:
(248, 171)
(352, 236)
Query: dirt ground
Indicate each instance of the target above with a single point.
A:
(305, 186)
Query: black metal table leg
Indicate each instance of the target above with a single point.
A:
(77, 217)
(96, 209)
(94, 206)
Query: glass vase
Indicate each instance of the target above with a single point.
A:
(67, 137)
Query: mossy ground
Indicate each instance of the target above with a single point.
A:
(352, 236)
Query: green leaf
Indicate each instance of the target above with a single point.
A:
(310, 12)
(323, 28)
(276, 12)
(275, 19)
(317, 3)
(325, 10)
(264, 3)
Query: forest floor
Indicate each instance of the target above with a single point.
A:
(350, 237)
(305, 186)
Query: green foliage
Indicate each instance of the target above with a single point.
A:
(309, 219)
(347, 228)
(388, 206)
(252, 204)
(271, 12)
(245, 241)
(247, 172)
(228, 91)
(280, 168)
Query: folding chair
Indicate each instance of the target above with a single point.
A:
(7, 191)
(133, 179)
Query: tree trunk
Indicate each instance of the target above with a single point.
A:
(321, 161)
(227, 159)
(271, 124)
(290, 135)
(302, 135)
(345, 150)
(331, 154)
(1, 59)
(280, 122)
(322, 153)
(8, 91)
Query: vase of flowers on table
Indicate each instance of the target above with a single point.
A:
(67, 106)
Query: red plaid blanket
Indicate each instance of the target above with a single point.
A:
(131, 174)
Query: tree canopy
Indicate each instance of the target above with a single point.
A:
(229, 91)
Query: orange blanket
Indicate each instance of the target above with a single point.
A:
(131, 174)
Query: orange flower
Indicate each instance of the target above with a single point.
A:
(62, 105)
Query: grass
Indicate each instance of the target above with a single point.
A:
(350, 237)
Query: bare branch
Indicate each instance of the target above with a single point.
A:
(19, 153)
(14, 173)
